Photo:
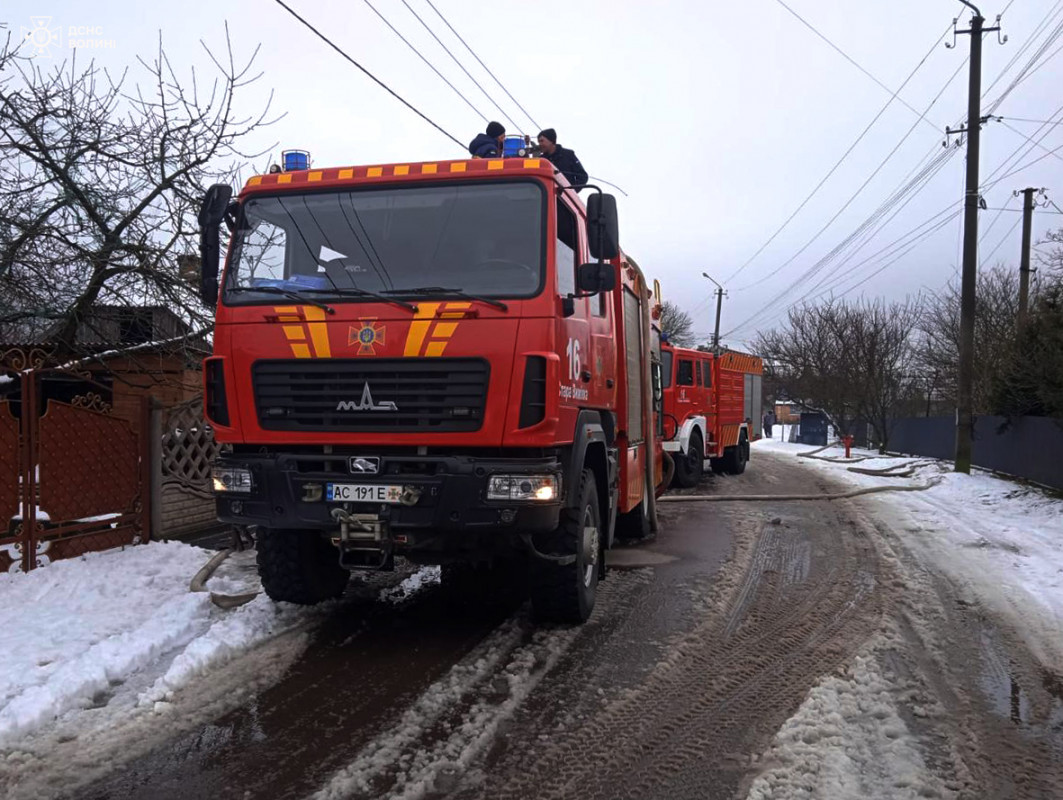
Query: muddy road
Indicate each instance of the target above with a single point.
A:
(711, 669)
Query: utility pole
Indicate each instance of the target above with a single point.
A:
(719, 307)
(964, 399)
(1024, 258)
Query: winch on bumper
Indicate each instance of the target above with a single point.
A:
(408, 496)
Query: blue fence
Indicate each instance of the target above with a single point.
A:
(1027, 447)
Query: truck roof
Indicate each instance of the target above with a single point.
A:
(370, 174)
(729, 359)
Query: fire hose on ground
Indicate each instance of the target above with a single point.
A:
(905, 470)
(226, 601)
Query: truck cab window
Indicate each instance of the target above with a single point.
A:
(567, 248)
(698, 372)
(706, 373)
(666, 369)
(684, 375)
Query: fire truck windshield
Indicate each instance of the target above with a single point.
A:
(480, 238)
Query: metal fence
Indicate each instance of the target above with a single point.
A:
(1027, 447)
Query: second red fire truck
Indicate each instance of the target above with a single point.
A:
(711, 410)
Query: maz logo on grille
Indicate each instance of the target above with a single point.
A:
(366, 403)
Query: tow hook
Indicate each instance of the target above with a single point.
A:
(410, 495)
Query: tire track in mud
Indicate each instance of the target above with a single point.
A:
(806, 601)
(1001, 719)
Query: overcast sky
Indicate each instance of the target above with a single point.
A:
(717, 118)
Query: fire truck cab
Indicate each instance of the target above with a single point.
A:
(712, 410)
(450, 361)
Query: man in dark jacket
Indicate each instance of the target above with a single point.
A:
(562, 158)
(489, 144)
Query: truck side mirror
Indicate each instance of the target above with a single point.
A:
(211, 213)
(596, 277)
(603, 230)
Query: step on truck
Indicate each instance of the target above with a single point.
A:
(711, 410)
(451, 361)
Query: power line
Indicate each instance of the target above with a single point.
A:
(863, 186)
(431, 66)
(1023, 74)
(1023, 119)
(838, 163)
(482, 64)
(461, 66)
(1027, 138)
(852, 61)
(374, 78)
(982, 263)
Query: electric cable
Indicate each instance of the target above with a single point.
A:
(852, 61)
(482, 64)
(984, 260)
(373, 77)
(428, 63)
(837, 164)
(461, 66)
(1028, 69)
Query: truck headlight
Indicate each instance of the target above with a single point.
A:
(537, 488)
(232, 479)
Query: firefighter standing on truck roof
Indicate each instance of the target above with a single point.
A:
(565, 160)
(489, 144)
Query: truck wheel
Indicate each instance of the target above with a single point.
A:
(565, 593)
(635, 524)
(299, 566)
(737, 457)
(688, 465)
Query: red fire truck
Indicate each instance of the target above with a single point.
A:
(712, 410)
(422, 359)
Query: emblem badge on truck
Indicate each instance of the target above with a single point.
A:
(366, 403)
(366, 465)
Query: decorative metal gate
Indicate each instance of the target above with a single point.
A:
(73, 476)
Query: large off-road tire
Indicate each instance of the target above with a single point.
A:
(635, 524)
(688, 465)
(566, 592)
(735, 458)
(299, 566)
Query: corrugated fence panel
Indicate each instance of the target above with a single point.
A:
(1027, 447)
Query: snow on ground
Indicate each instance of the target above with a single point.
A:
(847, 741)
(411, 585)
(997, 539)
(82, 626)
(470, 702)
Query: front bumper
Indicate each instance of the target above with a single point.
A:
(443, 494)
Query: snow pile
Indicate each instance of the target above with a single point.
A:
(469, 703)
(81, 627)
(846, 741)
(411, 585)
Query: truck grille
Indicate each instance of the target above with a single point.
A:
(378, 395)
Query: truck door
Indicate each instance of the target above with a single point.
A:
(578, 366)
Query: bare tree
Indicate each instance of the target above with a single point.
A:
(852, 360)
(996, 311)
(100, 181)
(677, 324)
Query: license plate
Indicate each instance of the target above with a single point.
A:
(362, 493)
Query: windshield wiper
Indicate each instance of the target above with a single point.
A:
(292, 294)
(441, 290)
(353, 292)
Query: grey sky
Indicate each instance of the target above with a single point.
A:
(716, 118)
